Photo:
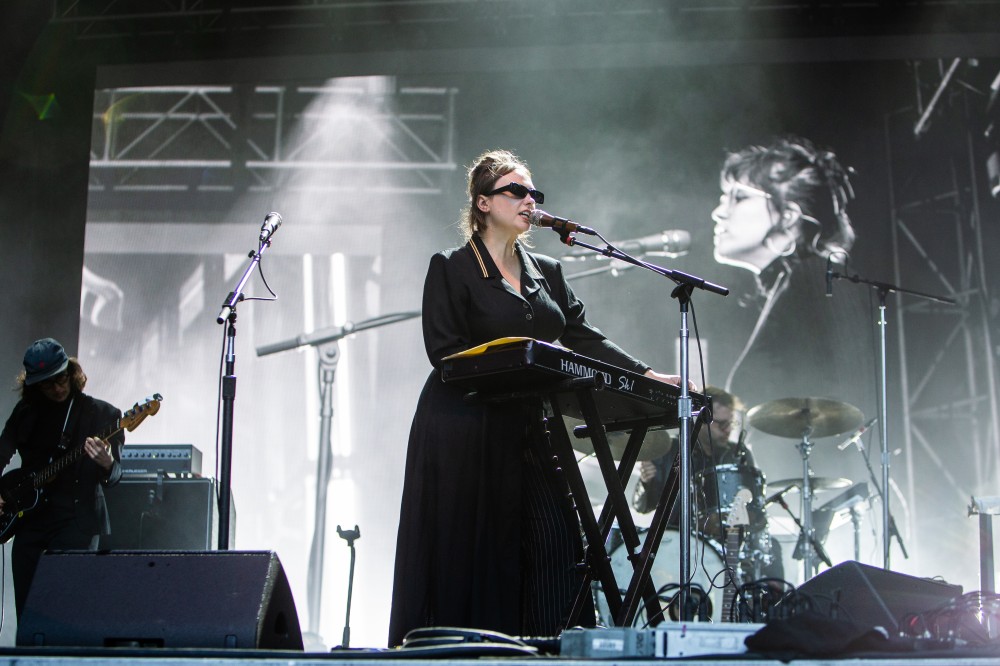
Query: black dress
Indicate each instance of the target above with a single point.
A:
(72, 513)
(474, 492)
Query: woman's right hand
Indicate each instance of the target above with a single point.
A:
(647, 471)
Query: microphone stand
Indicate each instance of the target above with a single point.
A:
(893, 532)
(227, 315)
(888, 525)
(328, 357)
(686, 284)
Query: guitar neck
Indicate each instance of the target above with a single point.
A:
(52, 470)
(733, 566)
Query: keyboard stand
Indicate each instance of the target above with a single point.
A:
(597, 562)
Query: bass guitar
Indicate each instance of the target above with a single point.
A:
(21, 489)
(736, 521)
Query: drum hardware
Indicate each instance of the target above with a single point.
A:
(816, 483)
(847, 501)
(801, 553)
(706, 564)
(718, 488)
(803, 419)
(792, 417)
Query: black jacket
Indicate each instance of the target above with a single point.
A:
(81, 484)
(458, 548)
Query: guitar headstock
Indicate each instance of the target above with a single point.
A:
(738, 514)
(133, 417)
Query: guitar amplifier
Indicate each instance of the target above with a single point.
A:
(165, 514)
(139, 460)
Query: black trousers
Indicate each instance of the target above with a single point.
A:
(45, 528)
(551, 549)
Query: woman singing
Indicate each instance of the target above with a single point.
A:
(487, 537)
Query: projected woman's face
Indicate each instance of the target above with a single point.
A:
(743, 219)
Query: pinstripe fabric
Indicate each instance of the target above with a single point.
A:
(550, 550)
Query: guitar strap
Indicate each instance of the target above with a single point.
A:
(62, 436)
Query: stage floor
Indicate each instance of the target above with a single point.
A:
(19, 657)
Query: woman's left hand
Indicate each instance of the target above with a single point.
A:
(670, 379)
(99, 452)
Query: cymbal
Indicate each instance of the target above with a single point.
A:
(655, 444)
(817, 483)
(796, 417)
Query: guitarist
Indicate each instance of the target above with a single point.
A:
(52, 417)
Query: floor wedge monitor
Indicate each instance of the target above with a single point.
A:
(173, 599)
(871, 596)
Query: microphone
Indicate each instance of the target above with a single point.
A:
(672, 242)
(741, 447)
(776, 497)
(829, 278)
(857, 434)
(539, 218)
(271, 223)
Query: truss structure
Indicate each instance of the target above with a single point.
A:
(941, 231)
(230, 139)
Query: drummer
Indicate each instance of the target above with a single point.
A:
(713, 448)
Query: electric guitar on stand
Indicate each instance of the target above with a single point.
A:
(21, 489)
(737, 520)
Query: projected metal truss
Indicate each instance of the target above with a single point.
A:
(258, 138)
(940, 241)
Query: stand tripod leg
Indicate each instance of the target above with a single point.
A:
(597, 555)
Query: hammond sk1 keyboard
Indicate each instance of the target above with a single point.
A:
(523, 364)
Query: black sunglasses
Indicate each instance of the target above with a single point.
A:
(519, 191)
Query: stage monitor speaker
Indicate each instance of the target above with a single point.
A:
(875, 597)
(217, 599)
(164, 514)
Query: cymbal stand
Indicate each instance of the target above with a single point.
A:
(856, 524)
(805, 448)
(888, 525)
(686, 284)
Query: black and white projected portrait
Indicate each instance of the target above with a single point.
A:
(237, 211)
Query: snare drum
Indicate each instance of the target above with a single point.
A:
(707, 566)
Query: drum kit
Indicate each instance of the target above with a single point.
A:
(727, 491)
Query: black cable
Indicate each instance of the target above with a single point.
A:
(260, 271)
(455, 641)
(218, 404)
